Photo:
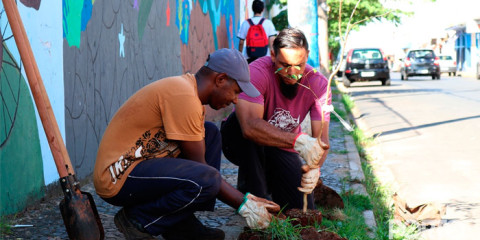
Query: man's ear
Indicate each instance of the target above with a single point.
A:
(221, 79)
(272, 55)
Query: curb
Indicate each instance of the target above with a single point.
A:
(467, 74)
(356, 172)
(357, 186)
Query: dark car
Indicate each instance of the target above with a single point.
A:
(420, 62)
(366, 64)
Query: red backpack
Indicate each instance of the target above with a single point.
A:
(257, 40)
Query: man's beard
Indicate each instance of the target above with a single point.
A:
(289, 91)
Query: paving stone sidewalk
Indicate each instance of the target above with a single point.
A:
(342, 162)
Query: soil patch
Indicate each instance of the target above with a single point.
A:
(307, 218)
(312, 234)
(309, 233)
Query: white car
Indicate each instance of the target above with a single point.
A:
(448, 65)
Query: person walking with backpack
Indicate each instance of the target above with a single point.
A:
(258, 33)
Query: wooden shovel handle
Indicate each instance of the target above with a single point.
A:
(55, 141)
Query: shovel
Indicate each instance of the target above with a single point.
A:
(323, 195)
(78, 208)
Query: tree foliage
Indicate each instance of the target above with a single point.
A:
(280, 21)
(366, 12)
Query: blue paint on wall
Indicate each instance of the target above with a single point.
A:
(121, 40)
(313, 56)
(182, 19)
(215, 11)
(86, 13)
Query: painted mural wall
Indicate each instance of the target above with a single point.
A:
(113, 48)
(92, 55)
(25, 157)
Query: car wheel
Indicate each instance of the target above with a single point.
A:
(438, 77)
(433, 77)
(346, 81)
(386, 82)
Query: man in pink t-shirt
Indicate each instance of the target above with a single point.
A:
(263, 136)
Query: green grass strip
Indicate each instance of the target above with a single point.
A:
(380, 194)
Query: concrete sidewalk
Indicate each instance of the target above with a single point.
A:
(343, 161)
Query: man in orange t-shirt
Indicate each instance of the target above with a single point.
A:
(160, 160)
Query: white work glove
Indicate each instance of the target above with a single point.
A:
(309, 149)
(255, 210)
(309, 180)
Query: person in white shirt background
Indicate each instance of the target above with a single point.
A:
(257, 6)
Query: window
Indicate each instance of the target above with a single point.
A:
(367, 54)
(421, 54)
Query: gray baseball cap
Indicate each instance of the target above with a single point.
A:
(231, 62)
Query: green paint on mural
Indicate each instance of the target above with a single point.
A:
(180, 19)
(21, 172)
(72, 22)
(143, 12)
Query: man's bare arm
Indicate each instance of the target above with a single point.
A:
(270, 42)
(240, 45)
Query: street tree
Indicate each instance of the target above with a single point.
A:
(366, 11)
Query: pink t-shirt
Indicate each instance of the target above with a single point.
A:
(280, 111)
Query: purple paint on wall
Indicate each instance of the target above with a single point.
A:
(32, 3)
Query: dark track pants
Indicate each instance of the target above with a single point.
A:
(161, 192)
(263, 171)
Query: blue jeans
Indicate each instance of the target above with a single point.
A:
(161, 192)
(264, 171)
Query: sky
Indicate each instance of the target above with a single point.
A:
(430, 19)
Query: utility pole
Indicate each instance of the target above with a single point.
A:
(303, 15)
(323, 10)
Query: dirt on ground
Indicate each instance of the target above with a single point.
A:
(309, 233)
(308, 218)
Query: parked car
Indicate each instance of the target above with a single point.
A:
(447, 65)
(366, 64)
(420, 62)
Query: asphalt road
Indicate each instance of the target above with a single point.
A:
(428, 144)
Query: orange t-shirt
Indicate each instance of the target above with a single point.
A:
(148, 125)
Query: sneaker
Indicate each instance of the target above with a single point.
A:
(129, 230)
(192, 229)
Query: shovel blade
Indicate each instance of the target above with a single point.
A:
(327, 197)
(80, 216)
